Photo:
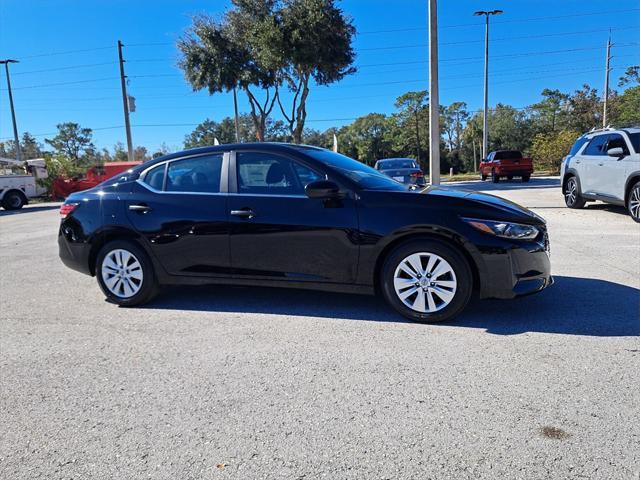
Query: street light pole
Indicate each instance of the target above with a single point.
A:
(434, 101)
(485, 113)
(13, 112)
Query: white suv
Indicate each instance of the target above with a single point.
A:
(604, 165)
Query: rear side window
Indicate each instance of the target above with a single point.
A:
(197, 174)
(155, 177)
(578, 145)
(597, 146)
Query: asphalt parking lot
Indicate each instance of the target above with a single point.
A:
(247, 383)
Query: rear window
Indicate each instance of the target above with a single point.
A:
(404, 163)
(578, 145)
(507, 155)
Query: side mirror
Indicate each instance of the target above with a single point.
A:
(322, 189)
(616, 152)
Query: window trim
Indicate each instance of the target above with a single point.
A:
(223, 175)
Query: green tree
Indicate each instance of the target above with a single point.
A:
(631, 75)
(29, 147)
(585, 109)
(366, 137)
(548, 149)
(551, 111)
(236, 52)
(74, 143)
(626, 107)
(407, 129)
(317, 39)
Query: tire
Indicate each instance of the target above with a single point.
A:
(571, 192)
(483, 177)
(526, 178)
(495, 178)
(633, 202)
(137, 288)
(13, 200)
(453, 267)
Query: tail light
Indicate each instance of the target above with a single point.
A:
(417, 174)
(67, 208)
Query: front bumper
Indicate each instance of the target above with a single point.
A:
(522, 268)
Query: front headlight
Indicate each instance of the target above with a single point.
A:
(515, 231)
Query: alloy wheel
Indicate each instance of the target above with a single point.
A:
(634, 203)
(571, 191)
(425, 282)
(122, 273)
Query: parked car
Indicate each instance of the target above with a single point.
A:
(506, 163)
(403, 170)
(63, 187)
(604, 165)
(303, 217)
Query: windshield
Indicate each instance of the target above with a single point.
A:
(365, 176)
(401, 163)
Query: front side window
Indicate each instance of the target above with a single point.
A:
(196, 174)
(269, 174)
(597, 146)
(615, 141)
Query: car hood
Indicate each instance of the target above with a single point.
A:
(484, 199)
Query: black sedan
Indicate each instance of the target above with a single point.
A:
(302, 217)
(403, 170)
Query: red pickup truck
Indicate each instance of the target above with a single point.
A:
(506, 163)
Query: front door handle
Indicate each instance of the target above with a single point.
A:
(141, 208)
(577, 161)
(601, 164)
(243, 213)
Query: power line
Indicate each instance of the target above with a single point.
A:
(520, 20)
(69, 67)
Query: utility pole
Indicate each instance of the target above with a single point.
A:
(434, 101)
(606, 82)
(485, 120)
(13, 111)
(125, 103)
(235, 108)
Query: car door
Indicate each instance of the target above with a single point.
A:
(180, 209)
(610, 175)
(279, 233)
(587, 164)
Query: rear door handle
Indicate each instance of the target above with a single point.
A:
(601, 164)
(243, 213)
(140, 208)
(577, 161)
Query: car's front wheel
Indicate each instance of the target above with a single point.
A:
(572, 197)
(125, 274)
(426, 281)
(633, 204)
(495, 178)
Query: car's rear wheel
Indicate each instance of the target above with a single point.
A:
(526, 178)
(572, 197)
(13, 200)
(426, 281)
(125, 274)
(483, 177)
(495, 178)
(633, 204)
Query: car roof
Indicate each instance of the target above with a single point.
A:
(266, 146)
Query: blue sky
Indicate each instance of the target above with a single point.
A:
(534, 44)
